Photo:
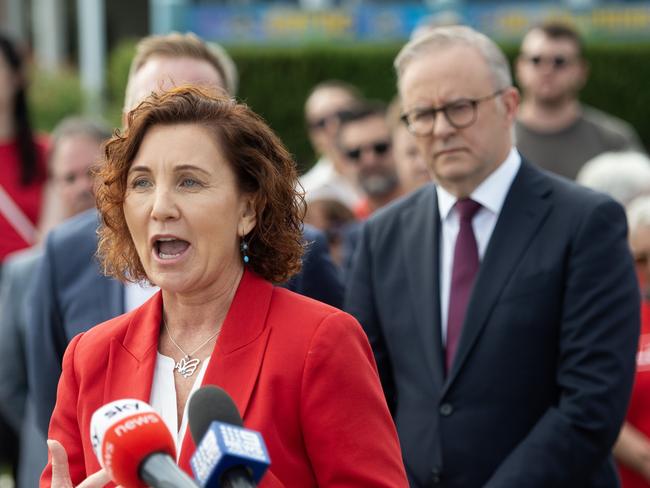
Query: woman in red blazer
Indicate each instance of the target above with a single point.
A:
(198, 197)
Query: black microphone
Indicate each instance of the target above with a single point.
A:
(227, 455)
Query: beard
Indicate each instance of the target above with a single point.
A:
(378, 184)
(551, 101)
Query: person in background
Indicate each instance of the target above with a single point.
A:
(632, 449)
(553, 129)
(70, 294)
(327, 213)
(364, 140)
(75, 150)
(412, 171)
(22, 156)
(501, 303)
(623, 175)
(323, 108)
(22, 177)
(300, 372)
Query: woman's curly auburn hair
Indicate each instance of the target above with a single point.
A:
(262, 165)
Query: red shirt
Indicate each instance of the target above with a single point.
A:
(28, 198)
(362, 209)
(639, 411)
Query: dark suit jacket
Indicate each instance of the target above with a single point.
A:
(545, 363)
(70, 295)
(16, 405)
(299, 371)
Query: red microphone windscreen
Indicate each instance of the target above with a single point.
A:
(124, 439)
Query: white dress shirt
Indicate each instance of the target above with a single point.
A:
(491, 194)
(163, 396)
(324, 182)
(163, 388)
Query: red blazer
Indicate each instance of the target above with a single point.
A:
(301, 373)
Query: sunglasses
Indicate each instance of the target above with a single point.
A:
(557, 62)
(641, 259)
(321, 122)
(379, 148)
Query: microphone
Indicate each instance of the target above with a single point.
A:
(228, 455)
(135, 447)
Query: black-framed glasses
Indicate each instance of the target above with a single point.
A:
(557, 62)
(378, 147)
(460, 114)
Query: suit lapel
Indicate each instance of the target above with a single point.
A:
(420, 242)
(237, 358)
(114, 298)
(524, 210)
(132, 360)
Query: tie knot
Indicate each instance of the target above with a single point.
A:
(467, 208)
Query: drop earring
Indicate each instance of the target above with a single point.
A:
(243, 247)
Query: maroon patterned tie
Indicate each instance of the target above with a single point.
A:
(465, 267)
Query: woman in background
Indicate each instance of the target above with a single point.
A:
(22, 157)
(632, 449)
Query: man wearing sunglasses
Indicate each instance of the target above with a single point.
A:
(364, 139)
(553, 129)
(501, 303)
(330, 175)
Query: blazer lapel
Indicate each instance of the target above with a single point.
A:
(237, 358)
(524, 210)
(420, 242)
(132, 360)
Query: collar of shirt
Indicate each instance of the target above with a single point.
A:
(135, 294)
(491, 193)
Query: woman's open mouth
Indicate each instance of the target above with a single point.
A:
(169, 248)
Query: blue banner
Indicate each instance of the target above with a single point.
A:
(385, 23)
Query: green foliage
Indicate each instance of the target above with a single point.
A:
(275, 81)
(119, 62)
(618, 84)
(52, 97)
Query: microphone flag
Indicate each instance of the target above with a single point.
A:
(226, 446)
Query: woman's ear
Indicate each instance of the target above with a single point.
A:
(248, 218)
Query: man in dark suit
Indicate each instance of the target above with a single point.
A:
(501, 304)
(75, 145)
(70, 294)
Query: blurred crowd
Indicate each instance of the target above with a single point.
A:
(51, 287)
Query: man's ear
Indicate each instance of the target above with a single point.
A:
(511, 99)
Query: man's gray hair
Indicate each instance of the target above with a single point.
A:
(73, 126)
(638, 213)
(454, 35)
(623, 175)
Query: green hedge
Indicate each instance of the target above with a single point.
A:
(52, 97)
(274, 81)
